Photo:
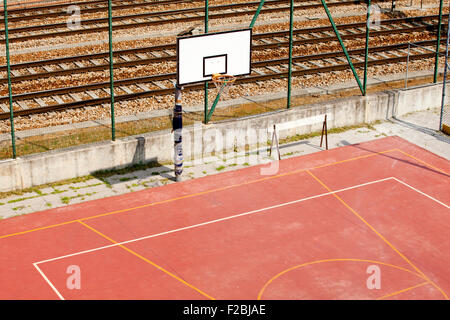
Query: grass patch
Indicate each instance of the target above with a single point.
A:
(57, 191)
(47, 185)
(288, 154)
(220, 168)
(106, 182)
(26, 198)
(66, 200)
(164, 181)
(381, 134)
(86, 186)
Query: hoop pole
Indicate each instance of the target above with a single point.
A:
(177, 126)
(8, 62)
(291, 36)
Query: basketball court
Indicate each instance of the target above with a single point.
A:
(311, 231)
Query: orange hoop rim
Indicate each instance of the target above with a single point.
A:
(223, 78)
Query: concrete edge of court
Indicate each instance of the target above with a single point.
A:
(57, 165)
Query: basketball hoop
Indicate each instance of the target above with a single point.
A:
(223, 82)
(205, 58)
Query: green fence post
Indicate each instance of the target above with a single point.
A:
(11, 112)
(206, 82)
(261, 3)
(436, 63)
(208, 114)
(343, 46)
(111, 73)
(441, 117)
(366, 54)
(291, 35)
(213, 107)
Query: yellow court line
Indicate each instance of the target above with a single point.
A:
(148, 261)
(234, 186)
(150, 204)
(421, 161)
(194, 194)
(261, 292)
(37, 229)
(404, 290)
(353, 159)
(378, 234)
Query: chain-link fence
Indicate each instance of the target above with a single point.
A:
(46, 73)
(59, 57)
(56, 58)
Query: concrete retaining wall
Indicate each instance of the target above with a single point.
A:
(74, 162)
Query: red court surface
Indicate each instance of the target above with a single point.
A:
(314, 230)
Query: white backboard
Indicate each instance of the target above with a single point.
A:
(200, 56)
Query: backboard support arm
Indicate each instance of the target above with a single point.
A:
(344, 49)
(261, 3)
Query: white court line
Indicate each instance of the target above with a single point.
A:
(48, 281)
(422, 193)
(212, 221)
(219, 220)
